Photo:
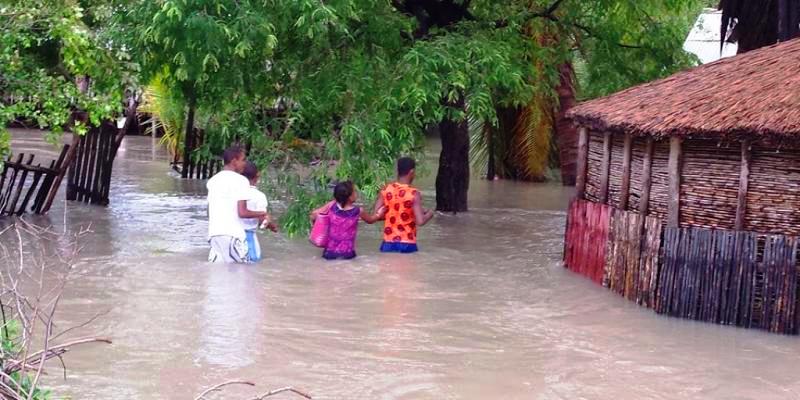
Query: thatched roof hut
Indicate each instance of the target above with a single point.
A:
(688, 191)
(735, 130)
(752, 94)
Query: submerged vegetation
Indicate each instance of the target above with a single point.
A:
(33, 277)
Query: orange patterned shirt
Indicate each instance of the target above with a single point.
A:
(400, 224)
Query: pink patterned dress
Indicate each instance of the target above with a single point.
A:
(342, 233)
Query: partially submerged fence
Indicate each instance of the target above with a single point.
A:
(631, 267)
(720, 276)
(25, 187)
(199, 170)
(197, 167)
(727, 277)
(89, 178)
(587, 224)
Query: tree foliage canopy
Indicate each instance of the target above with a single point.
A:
(44, 46)
(352, 83)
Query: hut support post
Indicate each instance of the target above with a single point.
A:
(744, 176)
(626, 172)
(674, 167)
(604, 169)
(583, 154)
(647, 164)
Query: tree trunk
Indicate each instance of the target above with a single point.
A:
(491, 170)
(188, 146)
(452, 180)
(566, 133)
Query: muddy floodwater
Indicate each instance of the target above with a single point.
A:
(484, 311)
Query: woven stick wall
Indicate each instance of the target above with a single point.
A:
(773, 196)
(709, 184)
(709, 176)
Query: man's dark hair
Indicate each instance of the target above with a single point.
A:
(342, 192)
(250, 170)
(405, 165)
(231, 153)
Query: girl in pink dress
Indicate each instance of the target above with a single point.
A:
(343, 218)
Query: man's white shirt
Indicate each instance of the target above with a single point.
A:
(225, 190)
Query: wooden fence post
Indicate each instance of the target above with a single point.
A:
(83, 87)
(583, 154)
(647, 165)
(62, 170)
(674, 167)
(744, 176)
(626, 172)
(605, 168)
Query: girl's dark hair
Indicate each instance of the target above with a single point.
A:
(342, 192)
(250, 170)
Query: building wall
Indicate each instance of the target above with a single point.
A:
(594, 161)
(710, 173)
(709, 184)
(773, 196)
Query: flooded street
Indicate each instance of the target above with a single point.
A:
(484, 311)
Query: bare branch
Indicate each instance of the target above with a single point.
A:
(47, 335)
(58, 349)
(221, 385)
(281, 390)
(553, 7)
(89, 321)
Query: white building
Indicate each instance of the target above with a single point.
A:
(703, 39)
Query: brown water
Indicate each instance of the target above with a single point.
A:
(485, 311)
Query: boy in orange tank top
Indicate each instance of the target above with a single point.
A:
(404, 212)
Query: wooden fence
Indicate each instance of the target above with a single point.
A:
(631, 267)
(729, 277)
(199, 170)
(719, 276)
(586, 238)
(38, 192)
(89, 178)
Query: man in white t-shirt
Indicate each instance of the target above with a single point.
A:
(228, 192)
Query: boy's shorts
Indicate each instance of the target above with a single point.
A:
(398, 247)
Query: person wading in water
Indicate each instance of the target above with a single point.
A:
(404, 212)
(228, 192)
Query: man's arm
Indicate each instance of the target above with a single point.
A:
(421, 217)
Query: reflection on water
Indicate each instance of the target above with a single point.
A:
(485, 311)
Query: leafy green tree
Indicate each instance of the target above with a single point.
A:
(212, 54)
(45, 46)
(368, 78)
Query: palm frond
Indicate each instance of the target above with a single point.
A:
(479, 143)
(167, 112)
(532, 142)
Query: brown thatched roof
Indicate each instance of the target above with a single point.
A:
(755, 93)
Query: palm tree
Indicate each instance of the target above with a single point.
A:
(166, 115)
